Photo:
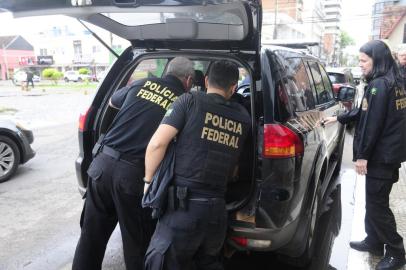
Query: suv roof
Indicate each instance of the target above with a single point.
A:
(225, 25)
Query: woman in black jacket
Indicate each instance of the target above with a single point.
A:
(379, 148)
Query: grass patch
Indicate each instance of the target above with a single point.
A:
(6, 110)
(68, 86)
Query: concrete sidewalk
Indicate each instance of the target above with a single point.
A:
(362, 260)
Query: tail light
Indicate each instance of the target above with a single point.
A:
(251, 243)
(82, 120)
(241, 241)
(281, 142)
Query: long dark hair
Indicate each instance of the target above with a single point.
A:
(383, 63)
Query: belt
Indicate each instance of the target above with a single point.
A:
(121, 156)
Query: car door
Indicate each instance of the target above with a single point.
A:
(176, 24)
(326, 103)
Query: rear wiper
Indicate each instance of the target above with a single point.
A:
(99, 39)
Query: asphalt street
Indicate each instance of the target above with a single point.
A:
(40, 206)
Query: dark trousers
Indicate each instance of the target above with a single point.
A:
(380, 224)
(189, 239)
(30, 81)
(113, 195)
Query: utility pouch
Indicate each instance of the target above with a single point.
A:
(181, 194)
(98, 145)
(171, 198)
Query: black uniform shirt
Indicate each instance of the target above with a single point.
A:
(142, 106)
(194, 164)
(381, 124)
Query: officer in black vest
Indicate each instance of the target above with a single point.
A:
(115, 187)
(210, 132)
(379, 148)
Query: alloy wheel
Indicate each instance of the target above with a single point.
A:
(7, 158)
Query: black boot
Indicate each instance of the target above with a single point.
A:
(391, 263)
(365, 246)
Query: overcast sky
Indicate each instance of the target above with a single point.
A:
(356, 20)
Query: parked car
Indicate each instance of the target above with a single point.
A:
(75, 76)
(357, 74)
(15, 148)
(343, 77)
(20, 76)
(291, 159)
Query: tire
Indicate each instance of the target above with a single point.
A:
(9, 158)
(80, 79)
(310, 237)
(66, 80)
(329, 227)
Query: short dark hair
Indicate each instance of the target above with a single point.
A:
(223, 74)
(383, 62)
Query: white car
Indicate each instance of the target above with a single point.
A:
(74, 76)
(21, 76)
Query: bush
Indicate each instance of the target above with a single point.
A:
(52, 74)
(84, 71)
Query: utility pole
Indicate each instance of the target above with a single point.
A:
(5, 62)
(275, 30)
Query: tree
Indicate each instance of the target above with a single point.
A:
(84, 71)
(52, 74)
(345, 41)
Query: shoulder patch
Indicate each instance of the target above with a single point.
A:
(374, 90)
(168, 112)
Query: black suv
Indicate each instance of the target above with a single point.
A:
(288, 164)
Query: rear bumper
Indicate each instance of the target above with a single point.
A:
(279, 237)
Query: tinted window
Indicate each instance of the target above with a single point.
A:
(148, 68)
(336, 77)
(326, 82)
(322, 94)
(298, 85)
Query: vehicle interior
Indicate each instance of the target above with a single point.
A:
(240, 185)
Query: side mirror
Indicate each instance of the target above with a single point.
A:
(346, 93)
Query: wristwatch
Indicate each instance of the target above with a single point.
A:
(145, 181)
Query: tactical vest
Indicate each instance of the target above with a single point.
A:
(209, 145)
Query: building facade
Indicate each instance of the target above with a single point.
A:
(16, 53)
(332, 30)
(379, 13)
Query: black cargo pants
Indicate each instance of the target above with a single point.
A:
(380, 224)
(189, 239)
(114, 193)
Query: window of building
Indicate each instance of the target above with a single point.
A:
(43, 52)
(77, 48)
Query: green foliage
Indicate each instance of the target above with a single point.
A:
(84, 71)
(345, 40)
(52, 74)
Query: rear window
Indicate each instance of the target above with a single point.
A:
(336, 77)
(152, 68)
(135, 19)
